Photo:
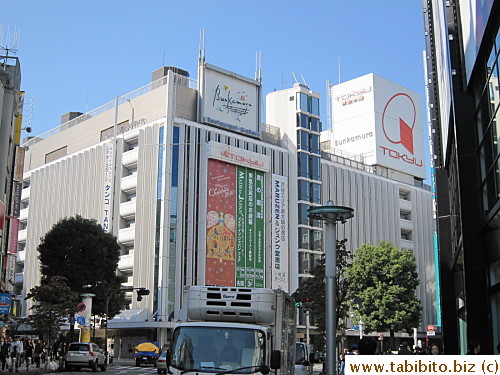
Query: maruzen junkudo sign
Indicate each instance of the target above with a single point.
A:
(381, 120)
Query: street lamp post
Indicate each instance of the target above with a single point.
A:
(330, 214)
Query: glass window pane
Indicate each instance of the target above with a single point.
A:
(303, 190)
(314, 168)
(304, 105)
(304, 140)
(314, 124)
(317, 240)
(303, 164)
(315, 193)
(304, 238)
(302, 121)
(314, 143)
(314, 106)
(303, 215)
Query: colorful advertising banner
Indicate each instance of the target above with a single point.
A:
(107, 188)
(4, 303)
(279, 233)
(234, 226)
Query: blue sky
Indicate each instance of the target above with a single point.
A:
(78, 55)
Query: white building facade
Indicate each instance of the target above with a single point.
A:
(161, 181)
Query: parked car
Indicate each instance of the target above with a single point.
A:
(84, 354)
(161, 363)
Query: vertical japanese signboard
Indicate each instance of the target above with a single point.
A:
(235, 226)
(107, 188)
(279, 233)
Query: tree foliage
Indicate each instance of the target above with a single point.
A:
(311, 293)
(54, 303)
(79, 250)
(384, 279)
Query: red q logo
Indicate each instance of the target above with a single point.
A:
(398, 113)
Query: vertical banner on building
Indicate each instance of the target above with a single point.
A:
(14, 235)
(279, 233)
(10, 272)
(107, 188)
(221, 210)
(259, 230)
(16, 199)
(235, 226)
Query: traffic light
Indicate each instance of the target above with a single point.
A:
(298, 304)
(142, 292)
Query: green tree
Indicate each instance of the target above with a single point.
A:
(384, 279)
(311, 293)
(81, 251)
(54, 303)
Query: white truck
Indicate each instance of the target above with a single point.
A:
(304, 362)
(234, 331)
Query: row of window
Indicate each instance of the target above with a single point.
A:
(488, 126)
(307, 103)
(308, 122)
(309, 191)
(308, 141)
(309, 166)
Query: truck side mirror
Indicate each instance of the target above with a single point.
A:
(275, 359)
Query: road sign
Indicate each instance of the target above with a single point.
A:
(80, 320)
(431, 333)
(81, 306)
(430, 328)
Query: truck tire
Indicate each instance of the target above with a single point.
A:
(94, 367)
(103, 367)
(137, 363)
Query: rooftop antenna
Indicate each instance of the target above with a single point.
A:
(294, 78)
(339, 69)
(329, 104)
(163, 61)
(15, 42)
(282, 81)
(258, 66)
(201, 54)
(303, 79)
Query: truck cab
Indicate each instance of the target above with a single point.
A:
(234, 331)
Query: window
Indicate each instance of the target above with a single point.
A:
(56, 154)
(314, 106)
(304, 102)
(302, 140)
(315, 193)
(303, 164)
(314, 124)
(314, 143)
(302, 121)
(304, 239)
(303, 214)
(303, 190)
(317, 240)
(315, 165)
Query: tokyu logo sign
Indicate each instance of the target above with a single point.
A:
(398, 121)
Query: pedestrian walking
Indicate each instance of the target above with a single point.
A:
(15, 350)
(37, 352)
(404, 349)
(4, 352)
(29, 349)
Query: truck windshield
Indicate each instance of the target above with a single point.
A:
(216, 349)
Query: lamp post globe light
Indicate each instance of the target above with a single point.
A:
(330, 214)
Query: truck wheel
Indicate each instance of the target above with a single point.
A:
(137, 363)
(103, 367)
(94, 367)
